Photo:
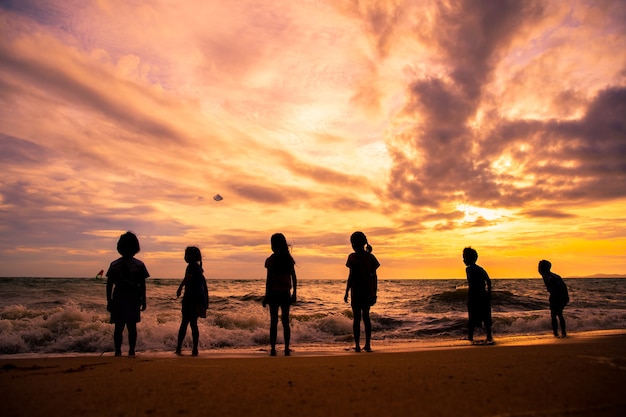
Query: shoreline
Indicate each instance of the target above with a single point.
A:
(340, 349)
(337, 349)
(579, 376)
(582, 375)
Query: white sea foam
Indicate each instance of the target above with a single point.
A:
(51, 316)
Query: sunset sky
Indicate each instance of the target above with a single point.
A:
(428, 125)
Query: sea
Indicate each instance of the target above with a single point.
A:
(67, 316)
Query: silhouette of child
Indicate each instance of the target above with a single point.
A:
(196, 299)
(478, 295)
(281, 275)
(126, 292)
(362, 286)
(559, 296)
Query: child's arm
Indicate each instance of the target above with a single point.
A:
(182, 284)
(349, 282)
(267, 287)
(294, 280)
(109, 293)
(348, 285)
(375, 277)
(143, 295)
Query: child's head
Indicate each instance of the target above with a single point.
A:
(128, 245)
(470, 256)
(193, 255)
(544, 266)
(359, 242)
(279, 243)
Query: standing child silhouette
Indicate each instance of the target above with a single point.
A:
(126, 292)
(559, 296)
(478, 295)
(196, 299)
(281, 275)
(362, 286)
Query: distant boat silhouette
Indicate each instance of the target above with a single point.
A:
(99, 274)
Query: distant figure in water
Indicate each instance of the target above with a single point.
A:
(281, 279)
(478, 296)
(362, 286)
(196, 299)
(559, 296)
(126, 292)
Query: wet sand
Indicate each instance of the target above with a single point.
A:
(577, 376)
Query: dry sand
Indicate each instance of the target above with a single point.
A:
(577, 376)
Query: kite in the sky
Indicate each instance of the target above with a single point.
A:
(218, 197)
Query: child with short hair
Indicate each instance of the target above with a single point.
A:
(126, 291)
(559, 296)
(478, 295)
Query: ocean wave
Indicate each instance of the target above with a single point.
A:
(74, 329)
(77, 321)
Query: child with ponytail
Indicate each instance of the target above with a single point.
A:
(362, 286)
(196, 299)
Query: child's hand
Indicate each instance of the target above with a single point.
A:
(143, 306)
(345, 298)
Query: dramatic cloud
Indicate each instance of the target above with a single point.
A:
(460, 147)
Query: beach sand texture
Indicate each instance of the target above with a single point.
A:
(577, 376)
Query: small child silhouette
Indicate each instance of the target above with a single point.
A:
(478, 295)
(280, 277)
(362, 286)
(126, 292)
(196, 299)
(559, 296)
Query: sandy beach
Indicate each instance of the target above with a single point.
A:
(577, 376)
